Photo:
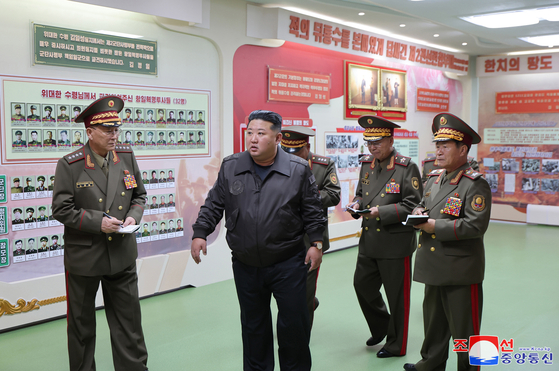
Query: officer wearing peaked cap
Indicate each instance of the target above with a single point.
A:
(295, 140)
(450, 258)
(101, 178)
(389, 186)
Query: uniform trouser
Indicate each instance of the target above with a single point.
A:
(312, 278)
(122, 309)
(449, 311)
(395, 275)
(286, 280)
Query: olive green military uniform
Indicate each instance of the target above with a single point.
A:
(451, 262)
(82, 193)
(324, 171)
(430, 164)
(386, 246)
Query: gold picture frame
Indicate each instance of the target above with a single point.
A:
(393, 89)
(362, 86)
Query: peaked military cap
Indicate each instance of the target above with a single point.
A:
(17, 210)
(446, 127)
(138, 111)
(77, 109)
(17, 106)
(30, 210)
(376, 128)
(294, 138)
(42, 208)
(33, 107)
(40, 177)
(48, 108)
(103, 111)
(16, 180)
(18, 132)
(63, 108)
(44, 239)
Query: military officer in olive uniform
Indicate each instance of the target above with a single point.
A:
(450, 258)
(63, 117)
(48, 114)
(43, 247)
(42, 217)
(390, 187)
(29, 187)
(30, 215)
(430, 164)
(139, 142)
(18, 116)
(19, 142)
(33, 116)
(17, 216)
(295, 140)
(41, 186)
(51, 185)
(19, 248)
(101, 178)
(31, 246)
(49, 142)
(16, 188)
(55, 245)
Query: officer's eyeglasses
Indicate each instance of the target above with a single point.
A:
(110, 133)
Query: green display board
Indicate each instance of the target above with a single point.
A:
(57, 46)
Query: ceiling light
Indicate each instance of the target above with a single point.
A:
(402, 25)
(542, 40)
(464, 43)
(436, 35)
(361, 13)
(527, 52)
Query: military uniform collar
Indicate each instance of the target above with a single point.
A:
(455, 176)
(387, 163)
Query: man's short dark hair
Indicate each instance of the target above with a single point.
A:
(269, 116)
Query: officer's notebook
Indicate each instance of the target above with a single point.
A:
(129, 229)
(416, 219)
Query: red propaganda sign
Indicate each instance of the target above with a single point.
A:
(299, 87)
(534, 101)
(430, 100)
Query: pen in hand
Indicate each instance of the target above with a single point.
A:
(110, 217)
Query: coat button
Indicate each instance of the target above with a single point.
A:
(378, 229)
(368, 206)
(366, 193)
(378, 218)
(107, 211)
(366, 228)
(419, 246)
(382, 195)
(433, 236)
(432, 249)
(123, 194)
(120, 207)
(110, 238)
(442, 212)
(100, 200)
(366, 218)
(420, 233)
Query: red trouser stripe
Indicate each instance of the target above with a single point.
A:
(475, 308)
(407, 294)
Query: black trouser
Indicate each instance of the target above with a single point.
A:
(286, 280)
(122, 309)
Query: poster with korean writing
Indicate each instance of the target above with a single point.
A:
(38, 117)
(519, 152)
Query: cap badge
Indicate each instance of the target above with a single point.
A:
(287, 135)
(369, 121)
(111, 103)
(443, 121)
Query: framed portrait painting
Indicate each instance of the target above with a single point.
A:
(393, 91)
(362, 86)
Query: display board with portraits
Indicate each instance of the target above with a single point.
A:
(39, 119)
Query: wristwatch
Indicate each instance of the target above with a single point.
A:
(318, 245)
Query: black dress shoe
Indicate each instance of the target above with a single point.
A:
(316, 303)
(383, 353)
(374, 341)
(410, 367)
